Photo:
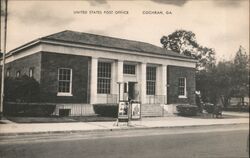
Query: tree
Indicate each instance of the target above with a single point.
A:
(225, 80)
(240, 78)
(217, 82)
(184, 42)
(222, 82)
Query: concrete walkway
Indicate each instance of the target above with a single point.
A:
(240, 114)
(11, 128)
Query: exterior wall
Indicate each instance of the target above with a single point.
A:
(173, 73)
(24, 64)
(77, 58)
(49, 77)
(117, 55)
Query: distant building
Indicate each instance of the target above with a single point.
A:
(76, 70)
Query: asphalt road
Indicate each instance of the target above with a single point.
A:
(203, 142)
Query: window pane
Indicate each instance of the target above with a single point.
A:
(151, 80)
(104, 77)
(128, 69)
(181, 86)
(64, 80)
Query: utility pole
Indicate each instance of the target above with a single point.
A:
(3, 58)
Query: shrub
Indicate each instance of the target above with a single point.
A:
(237, 109)
(209, 108)
(23, 89)
(28, 109)
(108, 110)
(187, 110)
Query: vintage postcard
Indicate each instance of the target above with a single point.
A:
(126, 78)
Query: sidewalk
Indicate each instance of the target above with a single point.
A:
(11, 128)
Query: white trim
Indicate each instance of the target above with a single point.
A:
(27, 45)
(102, 53)
(93, 80)
(100, 48)
(26, 52)
(182, 96)
(117, 50)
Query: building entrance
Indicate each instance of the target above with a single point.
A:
(132, 94)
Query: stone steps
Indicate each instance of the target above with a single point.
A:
(151, 110)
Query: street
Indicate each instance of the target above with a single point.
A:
(192, 142)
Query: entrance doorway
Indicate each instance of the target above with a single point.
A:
(131, 91)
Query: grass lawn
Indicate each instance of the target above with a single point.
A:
(57, 119)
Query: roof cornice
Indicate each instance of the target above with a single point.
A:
(92, 47)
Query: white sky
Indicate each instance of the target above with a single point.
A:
(219, 24)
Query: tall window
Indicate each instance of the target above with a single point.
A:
(104, 78)
(8, 72)
(129, 69)
(31, 72)
(64, 81)
(151, 79)
(182, 87)
(18, 74)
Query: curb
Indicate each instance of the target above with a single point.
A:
(114, 129)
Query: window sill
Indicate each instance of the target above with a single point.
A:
(65, 94)
(129, 74)
(182, 96)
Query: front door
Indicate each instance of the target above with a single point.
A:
(131, 91)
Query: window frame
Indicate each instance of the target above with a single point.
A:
(182, 86)
(127, 70)
(151, 80)
(70, 83)
(104, 78)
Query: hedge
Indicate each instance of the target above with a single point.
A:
(28, 109)
(237, 109)
(209, 108)
(107, 110)
(21, 89)
(187, 110)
